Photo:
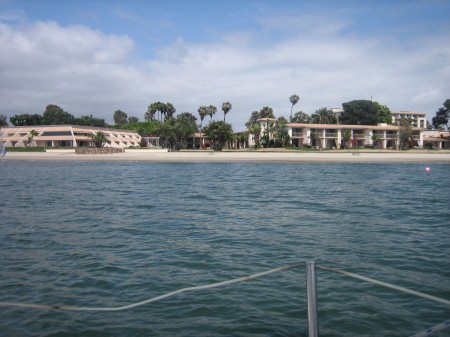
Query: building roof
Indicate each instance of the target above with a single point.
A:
(66, 127)
(408, 113)
(344, 126)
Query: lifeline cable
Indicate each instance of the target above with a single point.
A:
(154, 299)
(218, 284)
(384, 284)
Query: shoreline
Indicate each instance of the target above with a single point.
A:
(236, 156)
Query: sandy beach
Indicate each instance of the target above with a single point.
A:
(238, 156)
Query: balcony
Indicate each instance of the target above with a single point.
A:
(330, 134)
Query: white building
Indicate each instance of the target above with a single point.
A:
(332, 135)
(419, 119)
(66, 136)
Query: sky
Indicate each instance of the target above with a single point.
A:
(98, 56)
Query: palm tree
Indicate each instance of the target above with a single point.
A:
(170, 110)
(31, 136)
(226, 106)
(375, 141)
(202, 111)
(346, 136)
(211, 110)
(301, 117)
(323, 116)
(99, 139)
(294, 100)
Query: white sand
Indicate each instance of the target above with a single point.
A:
(244, 156)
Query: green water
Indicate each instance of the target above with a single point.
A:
(109, 234)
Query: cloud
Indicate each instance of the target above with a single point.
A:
(89, 72)
(78, 68)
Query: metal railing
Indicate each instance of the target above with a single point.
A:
(311, 294)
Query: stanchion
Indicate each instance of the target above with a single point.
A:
(311, 290)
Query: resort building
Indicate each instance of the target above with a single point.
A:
(65, 136)
(323, 136)
(436, 139)
(418, 119)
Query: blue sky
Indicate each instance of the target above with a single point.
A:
(94, 57)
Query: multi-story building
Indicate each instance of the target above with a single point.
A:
(419, 119)
(339, 135)
(65, 136)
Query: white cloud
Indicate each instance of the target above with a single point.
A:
(86, 71)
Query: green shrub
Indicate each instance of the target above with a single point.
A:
(428, 145)
(25, 149)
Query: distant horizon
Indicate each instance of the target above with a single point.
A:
(96, 57)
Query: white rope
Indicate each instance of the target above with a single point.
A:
(384, 284)
(219, 284)
(431, 331)
(154, 299)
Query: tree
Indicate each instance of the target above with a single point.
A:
(266, 112)
(405, 132)
(99, 139)
(364, 112)
(142, 128)
(442, 116)
(151, 111)
(167, 110)
(189, 116)
(211, 111)
(376, 141)
(31, 135)
(346, 137)
(202, 111)
(294, 100)
(90, 121)
(226, 107)
(254, 127)
(133, 119)
(281, 135)
(323, 116)
(219, 133)
(120, 117)
(252, 120)
(383, 114)
(26, 119)
(175, 132)
(301, 117)
(241, 138)
(255, 131)
(267, 135)
(54, 115)
(3, 120)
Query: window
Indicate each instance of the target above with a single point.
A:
(56, 133)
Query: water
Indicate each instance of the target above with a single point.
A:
(109, 234)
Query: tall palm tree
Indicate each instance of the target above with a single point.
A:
(294, 100)
(169, 110)
(202, 111)
(211, 111)
(226, 106)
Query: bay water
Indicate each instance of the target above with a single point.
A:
(106, 234)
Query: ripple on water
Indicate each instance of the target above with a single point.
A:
(109, 234)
